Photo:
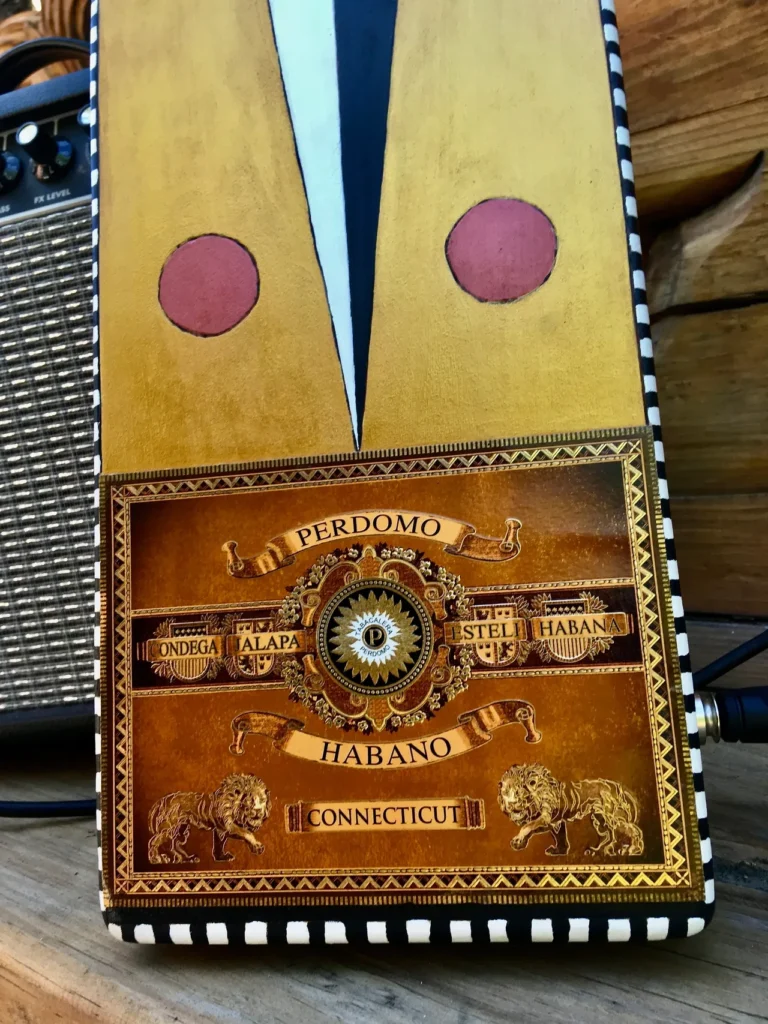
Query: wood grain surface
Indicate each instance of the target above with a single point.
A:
(682, 166)
(58, 963)
(684, 59)
(722, 552)
(697, 90)
(712, 375)
(697, 87)
(738, 267)
(711, 638)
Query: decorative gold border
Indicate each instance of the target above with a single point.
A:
(675, 879)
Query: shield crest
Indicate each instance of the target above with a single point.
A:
(186, 668)
(250, 666)
(497, 653)
(562, 630)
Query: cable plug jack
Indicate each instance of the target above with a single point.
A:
(734, 716)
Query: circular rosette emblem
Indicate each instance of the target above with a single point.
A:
(376, 652)
(375, 637)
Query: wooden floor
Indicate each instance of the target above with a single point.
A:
(59, 964)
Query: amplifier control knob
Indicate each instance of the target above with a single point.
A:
(10, 171)
(51, 155)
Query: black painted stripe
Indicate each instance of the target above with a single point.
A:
(365, 35)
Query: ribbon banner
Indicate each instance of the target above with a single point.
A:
(474, 728)
(185, 646)
(605, 624)
(457, 538)
(385, 815)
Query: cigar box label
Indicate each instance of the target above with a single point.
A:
(431, 675)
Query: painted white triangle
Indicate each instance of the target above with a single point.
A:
(306, 45)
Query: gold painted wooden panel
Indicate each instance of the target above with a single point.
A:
(503, 100)
(195, 138)
(722, 553)
(712, 373)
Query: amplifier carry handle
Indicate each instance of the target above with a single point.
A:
(26, 58)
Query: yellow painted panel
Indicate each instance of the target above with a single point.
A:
(195, 138)
(493, 98)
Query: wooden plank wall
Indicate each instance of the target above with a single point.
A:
(697, 91)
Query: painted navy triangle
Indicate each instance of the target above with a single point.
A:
(365, 35)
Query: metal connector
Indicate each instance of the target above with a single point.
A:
(707, 717)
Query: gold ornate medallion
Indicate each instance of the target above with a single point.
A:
(374, 637)
(374, 619)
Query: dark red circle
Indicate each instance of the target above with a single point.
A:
(501, 249)
(208, 285)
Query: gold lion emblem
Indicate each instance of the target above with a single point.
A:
(236, 810)
(534, 799)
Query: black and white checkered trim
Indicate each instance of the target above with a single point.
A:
(96, 432)
(458, 924)
(461, 925)
(643, 321)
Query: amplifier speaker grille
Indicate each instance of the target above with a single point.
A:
(46, 460)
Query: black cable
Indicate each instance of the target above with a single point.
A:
(47, 808)
(731, 660)
(743, 714)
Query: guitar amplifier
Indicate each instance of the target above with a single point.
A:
(46, 382)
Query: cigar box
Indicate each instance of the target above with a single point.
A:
(391, 643)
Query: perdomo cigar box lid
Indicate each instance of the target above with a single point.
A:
(435, 688)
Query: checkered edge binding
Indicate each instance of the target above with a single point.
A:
(647, 368)
(419, 924)
(96, 432)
